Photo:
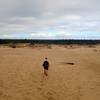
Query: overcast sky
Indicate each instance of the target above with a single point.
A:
(50, 19)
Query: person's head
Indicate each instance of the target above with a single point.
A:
(46, 58)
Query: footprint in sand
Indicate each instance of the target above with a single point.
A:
(39, 88)
(2, 94)
(49, 96)
(41, 85)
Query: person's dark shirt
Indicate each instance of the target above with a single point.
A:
(46, 65)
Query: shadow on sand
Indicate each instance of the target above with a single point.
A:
(67, 63)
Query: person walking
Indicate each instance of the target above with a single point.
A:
(46, 66)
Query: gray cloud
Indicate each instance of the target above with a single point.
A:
(27, 16)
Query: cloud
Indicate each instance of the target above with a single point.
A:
(43, 17)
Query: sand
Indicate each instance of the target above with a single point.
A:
(74, 73)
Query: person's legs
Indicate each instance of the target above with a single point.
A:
(45, 72)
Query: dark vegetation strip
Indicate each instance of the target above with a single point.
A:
(64, 42)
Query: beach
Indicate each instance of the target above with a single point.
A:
(74, 73)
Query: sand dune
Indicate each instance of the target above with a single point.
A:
(74, 74)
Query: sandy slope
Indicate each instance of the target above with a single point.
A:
(21, 75)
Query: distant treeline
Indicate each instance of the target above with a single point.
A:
(64, 42)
